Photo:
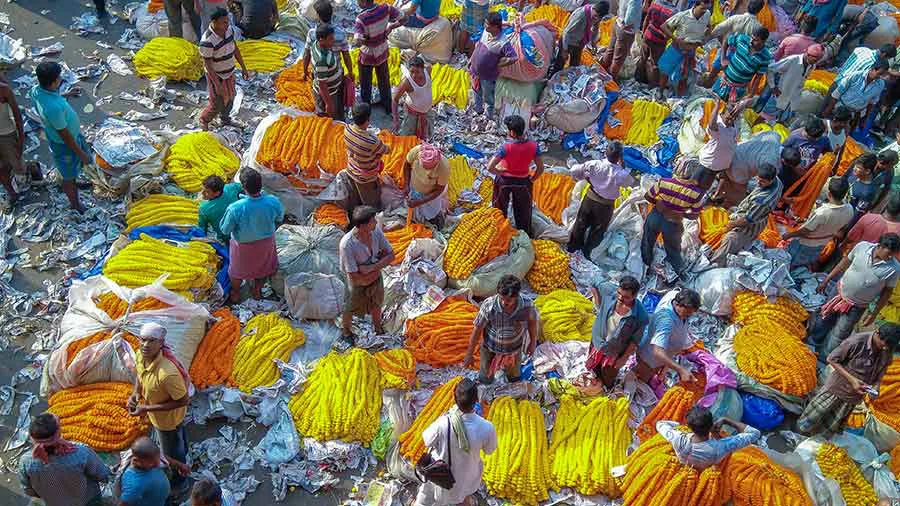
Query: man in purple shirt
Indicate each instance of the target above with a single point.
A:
(491, 53)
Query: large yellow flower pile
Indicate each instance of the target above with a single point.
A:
(451, 85)
(674, 405)
(588, 440)
(757, 481)
(197, 155)
(481, 236)
(646, 118)
(97, 416)
(393, 66)
(655, 477)
(191, 267)
(398, 368)
(294, 91)
(550, 270)
(519, 470)
(173, 57)
(412, 446)
(393, 162)
(462, 177)
(891, 311)
(441, 337)
(263, 55)
(549, 12)
(750, 307)
(566, 315)
(158, 209)
(302, 145)
(837, 465)
(401, 238)
(341, 399)
(886, 407)
(551, 194)
(265, 338)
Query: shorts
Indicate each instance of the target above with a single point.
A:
(66, 160)
(361, 300)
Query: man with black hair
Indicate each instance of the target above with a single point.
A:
(325, 11)
(859, 92)
(687, 30)
(867, 274)
(62, 128)
(328, 75)
(884, 175)
(745, 23)
(57, 471)
(582, 29)
(701, 447)
(667, 335)
(206, 492)
(492, 52)
(258, 18)
(468, 436)
(674, 199)
(219, 52)
(364, 164)
(618, 328)
(364, 252)
(743, 68)
(830, 13)
(251, 223)
(503, 325)
(605, 178)
(751, 215)
(872, 226)
(859, 363)
(858, 27)
(827, 222)
(511, 165)
(217, 196)
(764, 147)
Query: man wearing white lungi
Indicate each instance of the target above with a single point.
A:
(427, 172)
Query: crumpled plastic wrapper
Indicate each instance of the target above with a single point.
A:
(281, 444)
(20, 436)
(766, 271)
(338, 456)
(804, 289)
(121, 144)
(12, 51)
(308, 475)
(566, 358)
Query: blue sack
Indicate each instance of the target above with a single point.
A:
(670, 63)
(764, 414)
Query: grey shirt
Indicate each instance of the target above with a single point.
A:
(354, 253)
(577, 25)
(67, 480)
(866, 277)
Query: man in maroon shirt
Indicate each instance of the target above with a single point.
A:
(654, 42)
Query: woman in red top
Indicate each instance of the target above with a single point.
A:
(512, 165)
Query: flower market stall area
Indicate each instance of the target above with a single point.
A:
(283, 409)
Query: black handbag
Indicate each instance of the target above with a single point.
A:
(437, 471)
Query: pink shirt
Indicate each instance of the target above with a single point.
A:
(793, 44)
(604, 176)
(871, 227)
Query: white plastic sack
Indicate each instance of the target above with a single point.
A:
(809, 102)
(691, 136)
(882, 435)
(573, 116)
(873, 467)
(518, 261)
(544, 227)
(823, 491)
(717, 288)
(306, 249)
(573, 112)
(113, 360)
(314, 296)
(150, 25)
(885, 33)
(434, 43)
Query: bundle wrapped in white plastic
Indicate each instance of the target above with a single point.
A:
(306, 249)
(434, 43)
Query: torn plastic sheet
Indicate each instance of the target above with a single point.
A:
(85, 24)
(281, 444)
(338, 456)
(118, 65)
(220, 402)
(308, 475)
(20, 436)
(121, 144)
(7, 399)
(12, 51)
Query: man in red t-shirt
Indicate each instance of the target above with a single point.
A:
(872, 226)
(512, 165)
(654, 42)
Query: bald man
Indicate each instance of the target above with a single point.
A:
(144, 482)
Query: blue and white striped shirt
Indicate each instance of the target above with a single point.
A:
(855, 93)
(745, 63)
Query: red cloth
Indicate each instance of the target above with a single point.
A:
(518, 157)
(252, 260)
(837, 304)
(60, 446)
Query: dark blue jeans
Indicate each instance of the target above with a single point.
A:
(671, 231)
(174, 444)
(829, 332)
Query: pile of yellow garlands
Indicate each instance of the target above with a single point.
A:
(519, 470)
(673, 406)
(886, 407)
(401, 238)
(819, 81)
(712, 228)
(197, 155)
(294, 91)
(96, 415)
(330, 214)
(191, 267)
(173, 57)
(303, 145)
(480, 236)
(398, 368)
(588, 440)
(550, 270)
(755, 480)
(159, 208)
(462, 177)
(266, 337)
(412, 446)
(263, 55)
(341, 398)
(440, 338)
(214, 360)
(393, 162)
(566, 315)
(549, 12)
(451, 85)
(551, 194)
(837, 465)
(394, 73)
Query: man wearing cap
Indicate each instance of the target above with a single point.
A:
(427, 170)
(161, 391)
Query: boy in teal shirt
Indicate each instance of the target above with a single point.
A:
(217, 197)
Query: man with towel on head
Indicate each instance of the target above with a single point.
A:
(427, 171)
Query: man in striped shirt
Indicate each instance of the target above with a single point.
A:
(743, 68)
(673, 199)
(364, 152)
(371, 30)
(328, 82)
(219, 53)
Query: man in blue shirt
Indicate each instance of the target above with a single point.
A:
(421, 13)
(667, 335)
(251, 224)
(858, 92)
(144, 483)
(62, 127)
(217, 196)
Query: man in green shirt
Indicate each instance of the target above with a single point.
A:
(217, 197)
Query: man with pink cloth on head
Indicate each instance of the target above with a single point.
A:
(427, 170)
(786, 78)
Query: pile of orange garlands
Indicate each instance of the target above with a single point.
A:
(440, 338)
(551, 194)
(294, 91)
(712, 228)
(96, 415)
(212, 363)
(394, 161)
(412, 446)
(303, 146)
(673, 406)
(401, 238)
(330, 214)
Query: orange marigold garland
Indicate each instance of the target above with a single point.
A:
(302, 145)
(480, 236)
(330, 214)
(755, 480)
(551, 194)
(412, 446)
(674, 405)
(398, 368)
(213, 361)
(96, 415)
(440, 338)
(886, 407)
(712, 226)
(292, 90)
(394, 161)
(401, 238)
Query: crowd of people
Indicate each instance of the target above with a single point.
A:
(851, 236)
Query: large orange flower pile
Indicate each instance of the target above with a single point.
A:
(212, 363)
(303, 145)
(757, 481)
(401, 238)
(292, 90)
(481, 236)
(712, 226)
(551, 194)
(394, 161)
(412, 446)
(674, 405)
(330, 214)
(96, 415)
(886, 407)
(440, 338)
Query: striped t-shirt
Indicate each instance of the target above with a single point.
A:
(371, 30)
(364, 152)
(745, 63)
(327, 69)
(220, 50)
(676, 196)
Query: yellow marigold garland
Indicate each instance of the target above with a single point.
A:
(549, 12)
(394, 58)
(440, 338)
(412, 446)
(767, 352)
(749, 307)
(330, 214)
(551, 194)
(158, 209)
(191, 267)
(398, 368)
(173, 57)
(895, 461)
(462, 177)
(819, 81)
(96, 415)
(886, 407)
(341, 399)
(197, 155)
(566, 315)
(646, 118)
(294, 91)
(519, 470)
(213, 362)
(451, 85)
(673, 406)
(757, 481)
(588, 440)
(481, 236)
(712, 226)
(265, 338)
(263, 55)
(550, 270)
(837, 465)
(401, 238)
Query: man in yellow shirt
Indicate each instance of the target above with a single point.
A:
(161, 391)
(427, 171)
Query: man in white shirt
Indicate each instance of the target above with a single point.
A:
(786, 78)
(469, 435)
(702, 448)
(717, 154)
(827, 222)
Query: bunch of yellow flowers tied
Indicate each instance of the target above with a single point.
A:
(480, 236)
(398, 368)
(757, 481)
(265, 338)
(161, 209)
(550, 270)
(566, 315)
(191, 266)
(173, 57)
(196, 156)
(836, 464)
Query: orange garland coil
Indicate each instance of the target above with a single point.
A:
(330, 214)
(412, 446)
(440, 338)
(895, 461)
(303, 145)
(481, 236)
(154, 6)
(551, 194)
(398, 368)
(809, 186)
(393, 162)
(212, 363)
(755, 480)
(553, 13)
(401, 238)
(96, 415)
(674, 406)
(770, 354)
(852, 150)
(886, 407)
(292, 90)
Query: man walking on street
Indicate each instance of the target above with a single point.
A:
(673, 199)
(219, 52)
(12, 140)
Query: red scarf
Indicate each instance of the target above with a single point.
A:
(40, 447)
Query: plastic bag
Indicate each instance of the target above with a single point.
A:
(728, 403)
(576, 109)
(518, 261)
(717, 288)
(542, 35)
(150, 25)
(314, 296)
(882, 435)
(113, 359)
(764, 414)
(886, 32)
(281, 443)
(137, 176)
(434, 43)
(823, 491)
(306, 249)
(545, 228)
(864, 453)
